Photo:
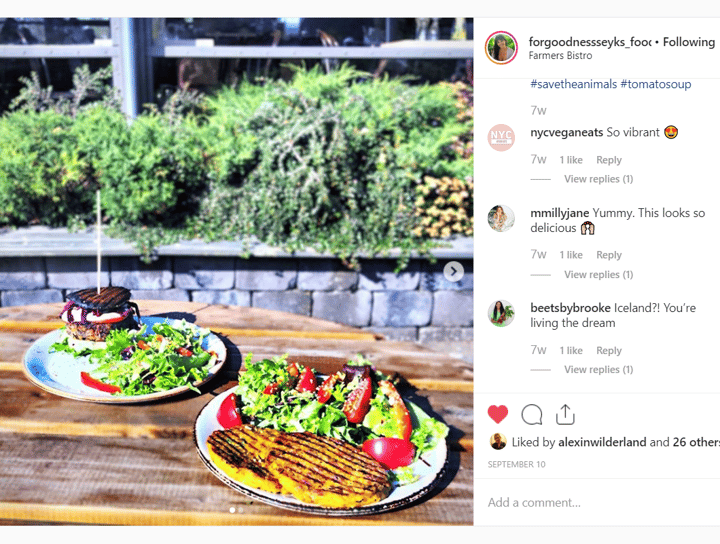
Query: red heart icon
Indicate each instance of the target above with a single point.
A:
(498, 413)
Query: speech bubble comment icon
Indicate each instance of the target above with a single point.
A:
(532, 414)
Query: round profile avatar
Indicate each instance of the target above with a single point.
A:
(501, 47)
(501, 137)
(498, 441)
(501, 313)
(501, 218)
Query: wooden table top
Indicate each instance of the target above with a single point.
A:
(65, 461)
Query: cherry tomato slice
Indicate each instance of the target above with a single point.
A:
(184, 352)
(271, 388)
(397, 409)
(325, 390)
(88, 380)
(357, 402)
(390, 452)
(228, 415)
(307, 381)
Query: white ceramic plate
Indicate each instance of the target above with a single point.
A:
(59, 372)
(429, 474)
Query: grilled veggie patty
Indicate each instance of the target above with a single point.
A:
(314, 469)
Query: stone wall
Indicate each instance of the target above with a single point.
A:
(417, 304)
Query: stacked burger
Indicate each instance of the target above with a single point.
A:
(90, 315)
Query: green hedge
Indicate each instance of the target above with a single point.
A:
(327, 161)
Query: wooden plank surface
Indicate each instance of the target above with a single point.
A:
(25, 408)
(163, 481)
(63, 461)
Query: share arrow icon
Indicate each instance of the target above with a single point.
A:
(565, 416)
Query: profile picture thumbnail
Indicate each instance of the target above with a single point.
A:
(501, 218)
(501, 47)
(501, 313)
(501, 137)
(498, 441)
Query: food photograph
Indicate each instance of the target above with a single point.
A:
(230, 303)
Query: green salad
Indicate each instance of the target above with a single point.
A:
(357, 404)
(139, 362)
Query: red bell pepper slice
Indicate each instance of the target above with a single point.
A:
(88, 380)
(398, 409)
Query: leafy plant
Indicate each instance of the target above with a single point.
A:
(43, 176)
(336, 162)
(88, 88)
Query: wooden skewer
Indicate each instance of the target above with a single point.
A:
(99, 249)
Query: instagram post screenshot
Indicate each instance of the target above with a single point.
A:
(238, 258)
(597, 391)
(236, 269)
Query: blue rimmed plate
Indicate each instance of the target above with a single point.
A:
(59, 372)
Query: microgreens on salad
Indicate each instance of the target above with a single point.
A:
(139, 362)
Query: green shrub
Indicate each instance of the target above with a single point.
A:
(327, 163)
(43, 177)
(331, 161)
(155, 176)
(51, 148)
